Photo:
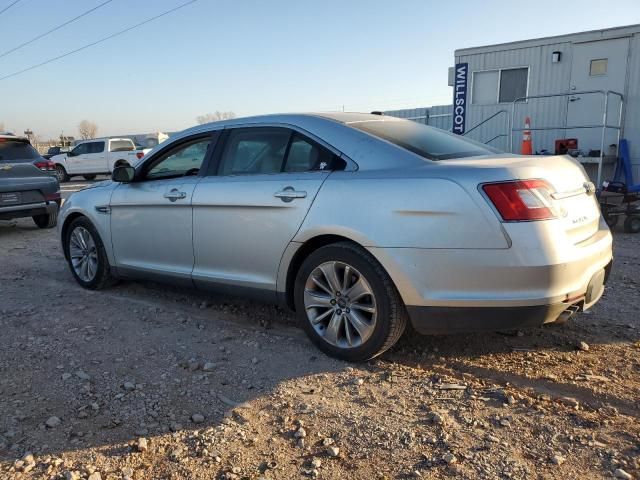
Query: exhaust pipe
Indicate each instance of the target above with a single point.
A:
(567, 314)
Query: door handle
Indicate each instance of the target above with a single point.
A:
(174, 195)
(287, 194)
(574, 99)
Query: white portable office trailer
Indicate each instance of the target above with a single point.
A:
(581, 86)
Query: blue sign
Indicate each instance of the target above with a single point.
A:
(460, 97)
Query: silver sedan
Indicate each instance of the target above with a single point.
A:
(360, 223)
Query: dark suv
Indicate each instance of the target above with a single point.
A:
(55, 151)
(28, 187)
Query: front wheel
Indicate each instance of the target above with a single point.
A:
(347, 303)
(61, 174)
(86, 255)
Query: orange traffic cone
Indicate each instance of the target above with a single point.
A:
(527, 146)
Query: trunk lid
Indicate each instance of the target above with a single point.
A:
(573, 192)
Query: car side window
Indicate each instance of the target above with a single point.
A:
(185, 159)
(81, 149)
(96, 147)
(254, 151)
(305, 155)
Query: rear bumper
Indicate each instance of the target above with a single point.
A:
(28, 210)
(449, 290)
(446, 320)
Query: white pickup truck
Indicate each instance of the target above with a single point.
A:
(95, 157)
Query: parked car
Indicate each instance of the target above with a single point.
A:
(359, 222)
(94, 157)
(55, 151)
(27, 186)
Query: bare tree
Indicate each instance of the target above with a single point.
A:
(1, 126)
(87, 129)
(214, 117)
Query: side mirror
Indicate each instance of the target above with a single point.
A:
(70, 153)
(123, 174)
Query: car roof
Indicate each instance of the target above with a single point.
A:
(102, 139)
(300, 119)
(11, 136)
(294, 118)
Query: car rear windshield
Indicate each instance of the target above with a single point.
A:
(121, 146)
(17, 151)
(428, 142)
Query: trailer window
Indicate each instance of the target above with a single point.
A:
(513, 84)
(428, 142)
(503, 85)
(484, 87)
(598, 67)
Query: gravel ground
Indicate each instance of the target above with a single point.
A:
(143, 381)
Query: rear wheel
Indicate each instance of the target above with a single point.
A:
(89, 177)
(46, 220)
(61, 173)
(86, 255)
(632, 224)
(610, 218)
(347, 303)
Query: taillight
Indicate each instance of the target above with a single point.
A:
(522, 200)
(139, 155)
(52, 196)
(45, 165)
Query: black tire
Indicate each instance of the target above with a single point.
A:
(89, 177)
(46, 220)
(391, 319)
(103, 277)
(61, 173)
(611, 220)
(632, 224)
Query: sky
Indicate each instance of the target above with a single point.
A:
(254, 57)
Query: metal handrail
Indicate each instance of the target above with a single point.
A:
(484, 121)
(604, 126)
(425, 117)
(497, 136)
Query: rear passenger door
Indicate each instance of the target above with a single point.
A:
(249, 209)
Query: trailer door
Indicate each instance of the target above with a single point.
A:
(599, 65)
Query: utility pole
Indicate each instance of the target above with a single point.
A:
(29, 133)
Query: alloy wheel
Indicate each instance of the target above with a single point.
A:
(61, 174)
(340, 304)
(83, 253)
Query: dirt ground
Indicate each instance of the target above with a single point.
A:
(145, 381)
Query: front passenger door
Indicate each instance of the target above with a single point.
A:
(151, 218)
